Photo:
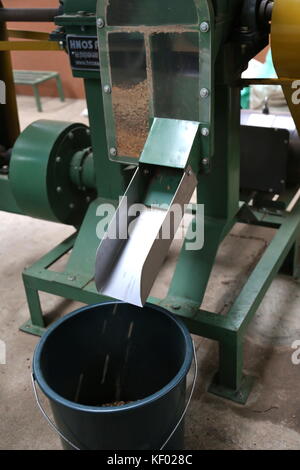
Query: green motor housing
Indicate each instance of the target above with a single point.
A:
(40, 171)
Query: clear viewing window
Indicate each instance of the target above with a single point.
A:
(175, 72)
(130, 92)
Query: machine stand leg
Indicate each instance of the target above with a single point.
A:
(37, 98)
(36, 324)
(229, 382)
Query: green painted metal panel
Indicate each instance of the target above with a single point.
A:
(170, 143)
(75, 6)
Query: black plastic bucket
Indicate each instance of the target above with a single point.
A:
(116, 352)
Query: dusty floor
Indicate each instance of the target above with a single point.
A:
(271, 418)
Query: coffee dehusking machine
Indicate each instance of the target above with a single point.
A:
(162, 82)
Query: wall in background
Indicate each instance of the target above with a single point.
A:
(56, 61)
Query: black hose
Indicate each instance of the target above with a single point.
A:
(29, 14)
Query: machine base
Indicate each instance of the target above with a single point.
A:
(239, 396)
(77, 283)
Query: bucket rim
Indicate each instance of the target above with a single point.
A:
(172, 384)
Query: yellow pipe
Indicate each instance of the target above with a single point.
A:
(285, 42)
(18, 33)
(29, 46)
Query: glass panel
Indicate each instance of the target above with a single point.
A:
(151, 12)
(130, 94)
(175, 71)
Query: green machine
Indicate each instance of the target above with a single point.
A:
(163, 82)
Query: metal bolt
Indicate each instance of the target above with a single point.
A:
(113, 151)
(88, 199)
(58, 159)
(205, 132)
(88, 132)
(205, 161)
(100, 23)
(72, 278)
(271, 190)
(204, 93)
(72, 205)
(176, 307)
(204, 27)
(71, 135)
(59, 189)
(282, 181)
(107, 89)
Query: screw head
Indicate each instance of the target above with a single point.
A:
(58, 159)
(72, 205)
(113, 151)
(59, 189)
(107, 89)
(204, 93)
(88, 199)
(71, 135)
(100, 23)
(205, 161)
(204, 27)
(205, 132)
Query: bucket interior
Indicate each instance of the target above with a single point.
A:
(112, 353)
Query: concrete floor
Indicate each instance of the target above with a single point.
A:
(271, 418)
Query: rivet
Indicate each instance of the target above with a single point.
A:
(204, 93)
(58, 159)
(107, 89)
(205, 161)
(204, 27)
(113, 151)
(59, 189)
(205, 132)
(100, 23)
(72, 278)
(71, 135)
(72, 205)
